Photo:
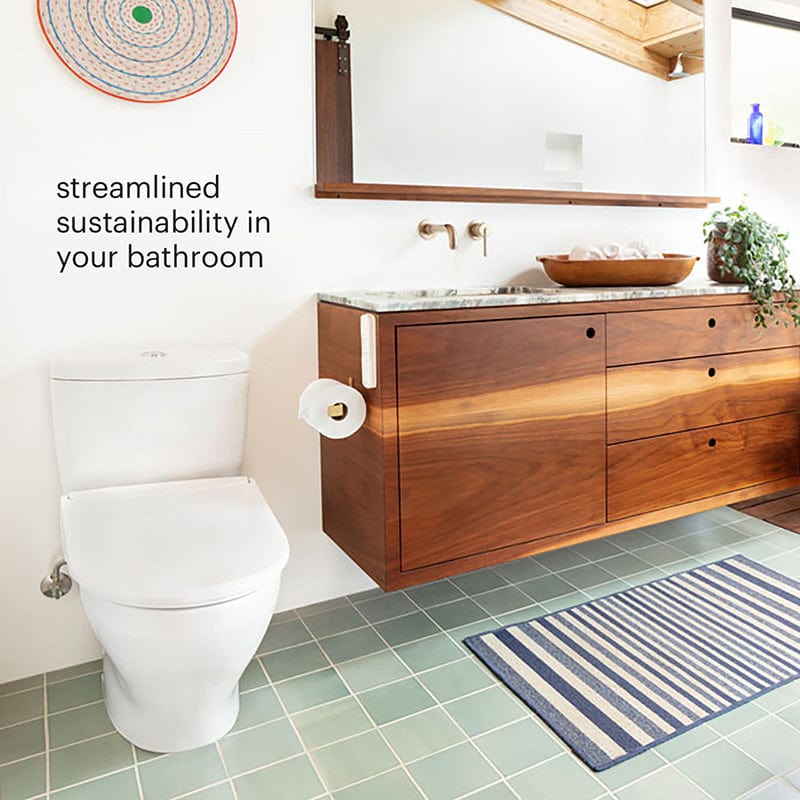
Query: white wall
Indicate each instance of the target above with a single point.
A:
(455, 93)
(255, 127)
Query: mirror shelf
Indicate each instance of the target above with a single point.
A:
(474, 194)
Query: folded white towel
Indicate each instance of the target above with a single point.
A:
(613, 251)
(586, 252)
(645, 249)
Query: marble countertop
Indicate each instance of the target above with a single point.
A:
(488, 296)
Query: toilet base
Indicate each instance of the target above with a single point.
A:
(167, 729)
(171, 676)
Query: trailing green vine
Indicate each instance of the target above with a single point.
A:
(754, 252)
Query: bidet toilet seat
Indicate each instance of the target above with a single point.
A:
(172, 545)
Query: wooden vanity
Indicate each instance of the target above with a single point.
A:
(497, 432)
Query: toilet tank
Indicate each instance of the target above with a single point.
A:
(130, 416)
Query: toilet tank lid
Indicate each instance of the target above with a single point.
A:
(148, 363)
(179, 544)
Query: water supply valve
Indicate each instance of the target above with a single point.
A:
(57, 583)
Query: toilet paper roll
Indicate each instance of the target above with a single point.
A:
(332, 408)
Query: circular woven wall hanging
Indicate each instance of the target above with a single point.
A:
(149, 51)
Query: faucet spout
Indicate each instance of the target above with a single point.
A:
(452, 236)
(428, 229)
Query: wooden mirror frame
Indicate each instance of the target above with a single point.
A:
(334, 128)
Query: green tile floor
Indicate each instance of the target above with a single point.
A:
(373, 697)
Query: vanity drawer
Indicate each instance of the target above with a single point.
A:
(636, 337)
(669, 470)
(653, 399)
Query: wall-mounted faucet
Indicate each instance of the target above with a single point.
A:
(428, 229)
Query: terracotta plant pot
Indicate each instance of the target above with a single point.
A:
(713, 261)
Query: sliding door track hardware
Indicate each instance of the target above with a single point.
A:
(342, 33)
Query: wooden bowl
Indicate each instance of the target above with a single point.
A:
(673, 268)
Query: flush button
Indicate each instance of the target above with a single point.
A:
(153, 354)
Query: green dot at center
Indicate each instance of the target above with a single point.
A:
(142, 14)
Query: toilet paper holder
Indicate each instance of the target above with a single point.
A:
(338, 411)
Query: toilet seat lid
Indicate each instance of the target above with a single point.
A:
(173, 545)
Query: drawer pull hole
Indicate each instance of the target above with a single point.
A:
(712, 442)
(711, 372)
(591, 333)
(712, 323)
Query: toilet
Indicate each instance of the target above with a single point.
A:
(177, 555)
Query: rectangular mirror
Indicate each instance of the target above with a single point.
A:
(559, 95)
(765, 63)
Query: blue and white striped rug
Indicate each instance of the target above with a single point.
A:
(617, 676)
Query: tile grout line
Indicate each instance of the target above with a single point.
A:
(53, 714)
(76, 708)
(46, 722)
(136, 772)
(83, 741)
(227, 771)
(21, 722)
(375, 726)
(50, 750)
(51, 682)
(22, 691)
(294, 728)
(194, 792)
(93, 778)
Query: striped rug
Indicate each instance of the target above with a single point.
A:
(617, 676)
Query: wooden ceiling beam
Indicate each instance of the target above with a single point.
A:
(645, 38)
(666, 20)
(565, 22)
(685, 41)
(624, 17)
(695, 6)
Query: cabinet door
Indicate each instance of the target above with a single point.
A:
(501, 430)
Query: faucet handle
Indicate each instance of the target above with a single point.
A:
(480, 230)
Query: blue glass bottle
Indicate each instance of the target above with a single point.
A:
(755, 129)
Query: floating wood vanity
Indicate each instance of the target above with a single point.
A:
(505, 425)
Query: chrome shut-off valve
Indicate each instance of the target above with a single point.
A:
(57, 583)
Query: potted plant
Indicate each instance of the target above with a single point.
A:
(744, 248)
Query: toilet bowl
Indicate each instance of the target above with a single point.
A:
(178, 581)
(177, 556)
